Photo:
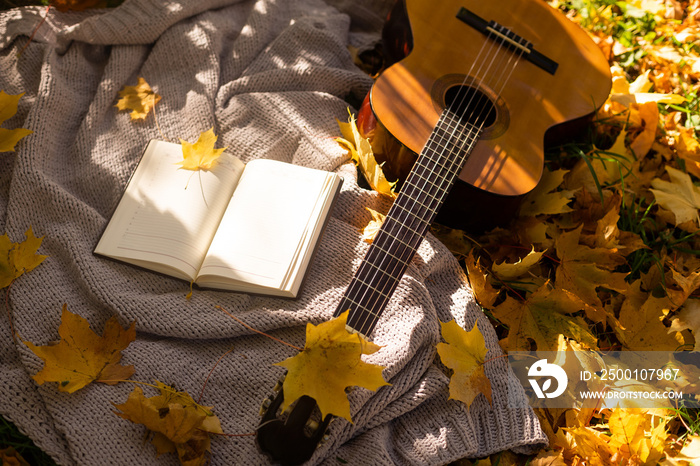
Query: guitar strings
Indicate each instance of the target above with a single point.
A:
(455, 122)
(390, 237)
(443, 180)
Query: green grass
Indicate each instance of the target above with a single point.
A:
(10, 436)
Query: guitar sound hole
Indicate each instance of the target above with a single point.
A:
(472, 105)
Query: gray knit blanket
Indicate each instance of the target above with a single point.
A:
(271, 77)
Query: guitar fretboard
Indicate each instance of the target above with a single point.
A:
(408, 220)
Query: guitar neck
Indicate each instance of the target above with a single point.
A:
(408, 220)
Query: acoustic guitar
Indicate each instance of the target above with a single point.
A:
(479, 87)
(561, 79)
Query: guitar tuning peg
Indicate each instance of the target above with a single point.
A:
(278, 386)
(265, 405)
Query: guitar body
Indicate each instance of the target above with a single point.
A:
(438, 52)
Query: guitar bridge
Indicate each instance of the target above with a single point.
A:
(509, 39)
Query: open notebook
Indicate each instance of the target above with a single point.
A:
(244, 227)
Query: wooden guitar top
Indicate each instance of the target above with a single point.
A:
(508, 159)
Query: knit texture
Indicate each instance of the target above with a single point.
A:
(271, 77)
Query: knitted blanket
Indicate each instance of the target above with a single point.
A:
(271, 77)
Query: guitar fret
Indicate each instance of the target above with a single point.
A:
(427, 180)
(398, 239)
(374, 289)
(394, 238)
(417, 217)
(402, 261)
(379, 269)
(359, 308)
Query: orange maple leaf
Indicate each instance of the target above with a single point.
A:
(329, 363)
(201, 155)
(81, 356)
(8, 108)
(140, 99)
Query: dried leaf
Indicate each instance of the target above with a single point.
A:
(372, 228)
(176, 422)
(81, 356)
(542, 317)
(485, 293)
(688, 318)
(18, 258)
(140, 99)
(637, 92)
(361, 153)
(628, 434)
(465, 353)
(641, 320)
(329, 363)
(679, 195)
(544, 199)
(11, 457)
(508, 271)
(10, 137)
(583, 270)
(201, 155)
(688, 149)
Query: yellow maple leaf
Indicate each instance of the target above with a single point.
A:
(641, 320)
(372, 228)
(583, 270)
(465, 353)
(177, 423)
(485, 293)
(679, 195)
(543, 199)
(628, 434)
(329, 363)
(201, 155)
(10, 137)
(626, 93)
(18, 258)
(542, 317)
(81, 356)
(140, 99)
(361, 153)
(511, 271)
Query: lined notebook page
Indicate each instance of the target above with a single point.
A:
(266, 223)
(169, 215)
